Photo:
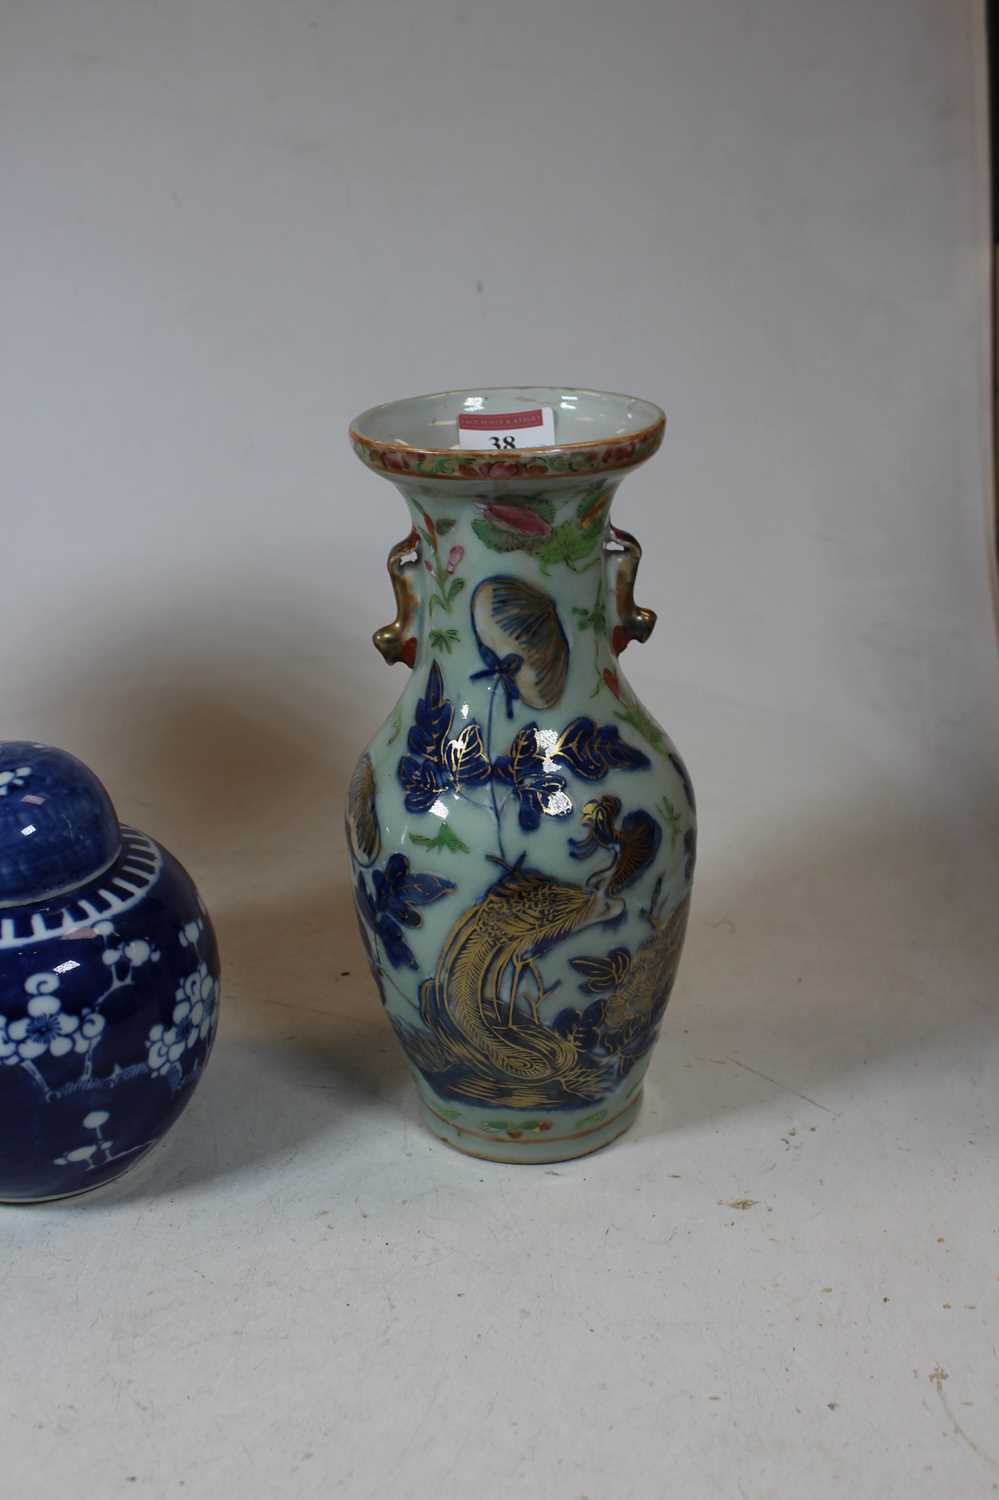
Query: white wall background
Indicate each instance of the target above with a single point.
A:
(226, 228)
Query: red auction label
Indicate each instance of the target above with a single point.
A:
(497, 431)
(500, 421)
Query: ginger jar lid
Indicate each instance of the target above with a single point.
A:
(58, 828)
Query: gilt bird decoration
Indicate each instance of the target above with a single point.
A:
(634, 845)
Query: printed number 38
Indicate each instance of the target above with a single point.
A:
(506, 442)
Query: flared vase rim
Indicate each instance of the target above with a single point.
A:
(614, 450)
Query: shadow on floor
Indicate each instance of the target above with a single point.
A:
(237, 762)
(828, 952)
(848, 945)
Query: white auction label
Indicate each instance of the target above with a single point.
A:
(503, 431)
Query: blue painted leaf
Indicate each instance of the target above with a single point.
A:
(529, 809)
(422, 780)
(397, 891)
(525, 757)
(535, 788)
(540, 797)
(617, 752)
(432, 718)
(583, 1025)
(577, 747)
(421, 890)
(590, 752)
(503, 770)
(552, 804)
(396, 948)
(389, 893)
(465, 757)
(392, 907)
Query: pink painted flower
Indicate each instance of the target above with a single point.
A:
(454, 557)
(517, 518)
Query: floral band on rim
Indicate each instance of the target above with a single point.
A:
(591, 457)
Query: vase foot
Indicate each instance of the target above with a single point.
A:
(539, 1149)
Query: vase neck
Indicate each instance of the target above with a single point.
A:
(551, 539)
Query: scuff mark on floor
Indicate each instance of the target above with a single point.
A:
(937, 1378)
(785, 1086)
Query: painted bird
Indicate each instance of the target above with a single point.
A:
(634, 844)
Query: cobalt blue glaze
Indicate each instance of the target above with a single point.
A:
(109, 982)
(57, 824)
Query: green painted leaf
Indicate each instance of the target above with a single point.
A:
(643, 725)
(567, 544)
(498, 540)
(590, 619)
(443, 527)
(541, 506)
(672, 819)
(444, 838)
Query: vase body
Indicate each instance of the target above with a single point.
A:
(521, 830)
(109, 982)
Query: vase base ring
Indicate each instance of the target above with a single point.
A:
(539, 1149)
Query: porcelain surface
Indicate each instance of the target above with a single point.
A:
(522, 832)
(109, 981)
(598, 432)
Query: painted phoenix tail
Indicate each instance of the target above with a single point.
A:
(482, 1006)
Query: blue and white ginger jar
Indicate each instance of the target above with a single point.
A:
(109, 981)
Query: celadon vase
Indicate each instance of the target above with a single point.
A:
(521, 831)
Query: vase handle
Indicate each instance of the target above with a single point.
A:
(396, 641)
(622, 554)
